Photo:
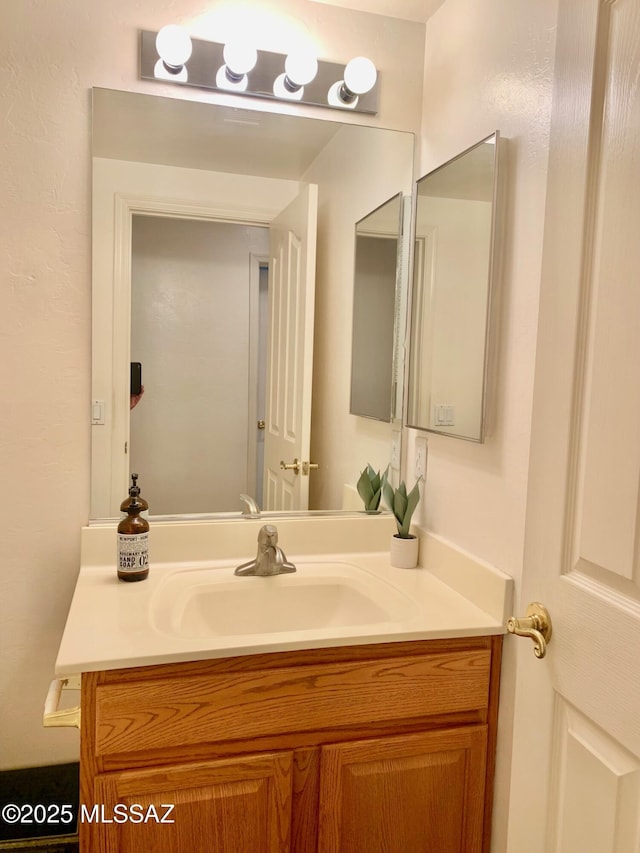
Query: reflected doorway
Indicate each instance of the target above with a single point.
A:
(198, 327)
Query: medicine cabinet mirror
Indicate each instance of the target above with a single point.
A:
(377, 284)
(452, 283)
(193, 205)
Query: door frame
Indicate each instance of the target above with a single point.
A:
(110, 458)
(256, 263)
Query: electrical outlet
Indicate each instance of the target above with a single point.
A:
(395, 451)
(420, 458)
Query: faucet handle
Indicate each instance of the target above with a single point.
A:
(268, 536)
(270, 559)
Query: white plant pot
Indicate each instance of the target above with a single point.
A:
(404, 552)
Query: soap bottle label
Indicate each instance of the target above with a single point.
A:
(133, 552)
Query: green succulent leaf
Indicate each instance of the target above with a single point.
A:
(402, 505)
(387, 492)
(411, 503)
(370, 488)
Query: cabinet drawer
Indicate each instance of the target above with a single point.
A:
(218, 706)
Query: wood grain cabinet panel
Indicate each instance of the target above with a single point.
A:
(406, 794)
(384, 748)
(192, 709)
(240, 805)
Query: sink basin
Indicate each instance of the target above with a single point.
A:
(214, 602)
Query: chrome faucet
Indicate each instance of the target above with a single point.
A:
(270, 559)
(251, 508)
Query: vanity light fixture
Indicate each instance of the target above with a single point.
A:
(239, 69)
(174, 47)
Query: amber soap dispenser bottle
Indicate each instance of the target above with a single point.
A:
(133, 537)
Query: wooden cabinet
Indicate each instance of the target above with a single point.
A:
(237, 804)
(368, 748)
(408, 793)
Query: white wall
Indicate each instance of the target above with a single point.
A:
(53, 52)
(488, 66)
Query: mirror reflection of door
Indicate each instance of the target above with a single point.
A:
(292, 275)
(195, 327)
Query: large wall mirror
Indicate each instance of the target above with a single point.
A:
(223, 246)
(452, 283)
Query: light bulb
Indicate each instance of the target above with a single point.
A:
(283, 88)
(239, 59)
(360, 75)
(337, 97)
(301, 68)
(174, 46)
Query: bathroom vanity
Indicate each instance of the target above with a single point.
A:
(375, 747)
(348, 736)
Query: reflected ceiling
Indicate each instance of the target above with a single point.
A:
(192, 135)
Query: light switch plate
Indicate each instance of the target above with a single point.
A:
(97, 412)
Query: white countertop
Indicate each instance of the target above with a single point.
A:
(111, 624)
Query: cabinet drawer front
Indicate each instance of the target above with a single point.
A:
(217, 707)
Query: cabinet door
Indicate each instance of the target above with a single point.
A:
(406, 794)
(238, 805)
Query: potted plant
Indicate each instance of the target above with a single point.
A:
(370, 488)
(404, 545)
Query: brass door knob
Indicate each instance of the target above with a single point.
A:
(536, 625)
(297, 466)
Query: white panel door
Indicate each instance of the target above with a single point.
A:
(292, 268)
(576, 763)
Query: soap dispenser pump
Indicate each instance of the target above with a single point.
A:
(133, 537)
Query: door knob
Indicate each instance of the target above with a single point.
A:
(536, 625)
(297, 466)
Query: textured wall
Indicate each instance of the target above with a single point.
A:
(479, 77)
(51, 53)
